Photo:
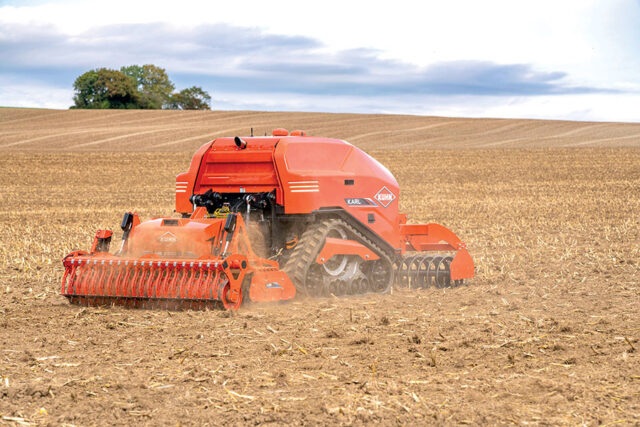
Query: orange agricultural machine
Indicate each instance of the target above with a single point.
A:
(263, 218)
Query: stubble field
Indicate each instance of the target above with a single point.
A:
(547, 333)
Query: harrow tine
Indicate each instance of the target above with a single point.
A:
(78, 280)
(171, 286)
(81, 287)
(85, 282)
(192, 281)
(67, 270)
(125, 279)
(204, 275)
(109, 283)
(142, 280)
(143, 283)
(201, 304)
(191, 284)
(150, 278)
(162, 286)
(163, 274)
(73, 279)
(93, 282)
(151, 272)
(69, 276)
(103, 271)
(116, 281)
(215, 286)
(185, 275)
(95, 273)
(134, 289)
(148, 281)
(155, 272)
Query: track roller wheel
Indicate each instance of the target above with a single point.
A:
(343, 274)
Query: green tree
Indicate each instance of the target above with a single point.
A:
(152, 83)
(193, 98)
(135, 86)
(104, 88)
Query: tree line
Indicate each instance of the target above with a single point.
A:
(135, 86)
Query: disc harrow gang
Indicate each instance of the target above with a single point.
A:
(423, 271)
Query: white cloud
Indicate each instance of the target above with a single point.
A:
(33, 94)
(600, 107)
(594, 42)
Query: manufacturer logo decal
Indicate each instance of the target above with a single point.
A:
(167, 238)
(384, 197)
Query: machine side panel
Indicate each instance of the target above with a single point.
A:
(185, 181)
(319, 172)
(229, 169)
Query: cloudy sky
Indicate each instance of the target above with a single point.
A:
(570, 59)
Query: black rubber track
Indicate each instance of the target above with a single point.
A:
(310, 244)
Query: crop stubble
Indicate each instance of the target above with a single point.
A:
(547, 333)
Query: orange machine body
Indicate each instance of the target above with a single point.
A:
(324, 208)
(182, 238)
(308, 174)
(176, 259)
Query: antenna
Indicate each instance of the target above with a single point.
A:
(251, 131)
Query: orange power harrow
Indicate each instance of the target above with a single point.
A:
(148, 283)
(99, 278)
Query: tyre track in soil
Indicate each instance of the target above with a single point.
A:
(371, 131)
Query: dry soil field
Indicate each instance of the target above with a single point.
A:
(548, 332)
(91, 130)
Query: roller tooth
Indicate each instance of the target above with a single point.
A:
(435, 272)
(429, 272)
(418, 276)
(405, 272)
(447, 270)
(423, 271)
